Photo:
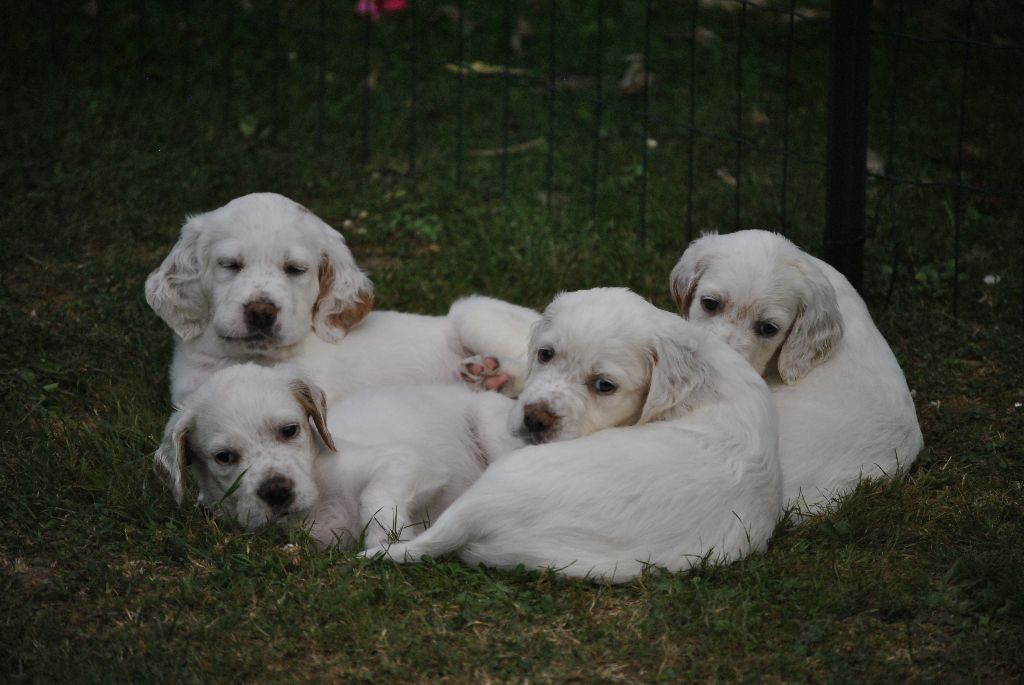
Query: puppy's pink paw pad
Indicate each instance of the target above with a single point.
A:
(483, 372)
(497, 381)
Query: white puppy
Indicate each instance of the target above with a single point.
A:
(673, 459)
(263, 447)
(263, 279)
(845, 411)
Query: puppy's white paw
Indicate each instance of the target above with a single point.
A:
(387, 552)
(376, 552)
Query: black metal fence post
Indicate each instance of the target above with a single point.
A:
(367, 84)
(847, 138)
(598, 113)
(958, 197)
(321, 91)
(275, 41)
(692, 137)
(645, 122)
(414, 53)
(460, 126)
(741, 26)
(227, 114)
(783, 215)
(549, 168)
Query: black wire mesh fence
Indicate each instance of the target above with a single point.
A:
(888, 141)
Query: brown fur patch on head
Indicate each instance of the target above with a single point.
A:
(325, 276)
(174, 456)
(348, 318)
(314, 403)
(684, 297)
(741, 313)
(185, 455)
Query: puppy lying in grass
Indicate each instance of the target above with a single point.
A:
(264, 449)
(654, 444)
(845, 412)
(262, 279)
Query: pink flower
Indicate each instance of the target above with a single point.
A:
(374, 8)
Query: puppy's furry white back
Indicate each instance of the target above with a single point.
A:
(851, 417)
(845, 411)
(404, 453)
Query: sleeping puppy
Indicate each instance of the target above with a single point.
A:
(845, 411)
(653, 444)
(263, 279)
(264, 449)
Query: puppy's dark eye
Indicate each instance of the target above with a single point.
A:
(603, 386)
(545, 354)
(229, 264)
(226, 457)
(295, 269)
(766, 329)
(290, 431)
(709, 304)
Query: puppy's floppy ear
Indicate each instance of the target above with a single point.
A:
(346, 294)
(818, 327)
(686, 274)
(173, 289)
(314, 403)
(174, 453)
(680, 378)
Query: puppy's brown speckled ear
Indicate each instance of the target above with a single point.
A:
(818, 327)
(346, 293)
(174, 289)
(345, 299)
(680, 377)
(686, 274)
(175, 454)
(314, 403)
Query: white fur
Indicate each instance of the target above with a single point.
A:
(264, 249)
(385, 461)
(845, 411)
(681, 468)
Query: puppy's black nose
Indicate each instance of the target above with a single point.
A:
(260, 314)
(277, 491)
(537, 418)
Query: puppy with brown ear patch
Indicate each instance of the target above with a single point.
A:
(263, 279)
(655, 444)
(845, 411)
(264, 449)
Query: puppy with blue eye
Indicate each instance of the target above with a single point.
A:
(573, 390)
(653, 443)
(264, 449)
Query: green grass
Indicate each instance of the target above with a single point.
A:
(102, 579)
